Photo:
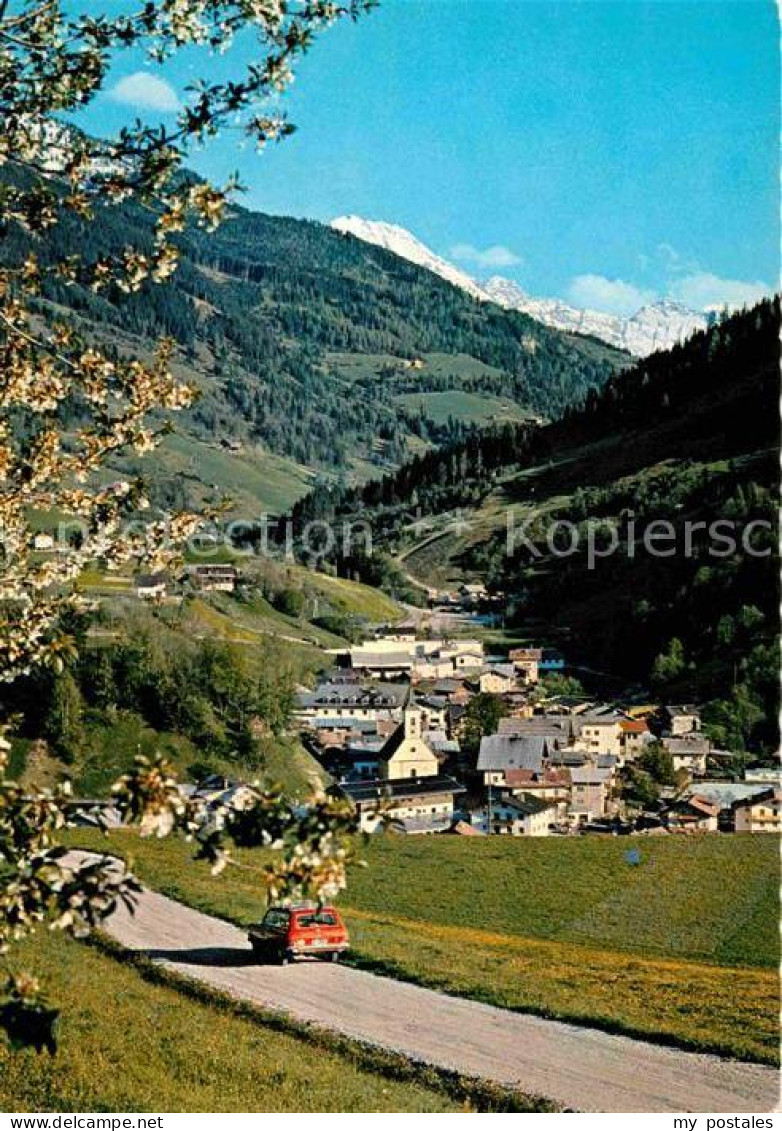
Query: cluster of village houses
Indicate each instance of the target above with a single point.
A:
(388, 723)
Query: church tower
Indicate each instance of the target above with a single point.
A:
(407, 754)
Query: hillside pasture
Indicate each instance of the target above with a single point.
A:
(255, 480)
(456, 404)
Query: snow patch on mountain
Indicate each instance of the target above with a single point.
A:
(404, 243)
(657, 326)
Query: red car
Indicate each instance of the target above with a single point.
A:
(304, 929)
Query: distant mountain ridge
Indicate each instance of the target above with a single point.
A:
(658, 326)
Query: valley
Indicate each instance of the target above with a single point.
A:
(389, 607)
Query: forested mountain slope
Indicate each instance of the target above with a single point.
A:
(309, 344)
(689, 438)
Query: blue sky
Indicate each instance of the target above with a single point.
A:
(607, 151)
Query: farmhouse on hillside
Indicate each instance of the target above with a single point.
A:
(150, 586)
(213, 577)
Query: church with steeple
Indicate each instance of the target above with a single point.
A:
(410, 793)
(407, 754)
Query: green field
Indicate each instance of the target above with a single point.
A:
(111, 747)
(461, 401)
(158, 1049)
(680, 948)
(438, 404)
(350, 597)
(341, 594)
(707, 898)
(458, 365)
(257, 481)
(364, 366)
(252, 622)
(472, 408)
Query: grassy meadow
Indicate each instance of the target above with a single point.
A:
(253, 622)
(350, 597)
(373, 366)
(681, 948)
(256, 481)
(455, 404)
(194, 1052)
(112, 747)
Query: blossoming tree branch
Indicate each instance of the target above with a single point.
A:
(52, 63)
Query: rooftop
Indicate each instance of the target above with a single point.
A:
(554, 728)
(597, 716)
(147, 580)
(693, 744)
(725, 793)
(504, 752)
(381, 660)
(433, 702)
(634, 726)
(345, 722)
(385, 789)
(530, 779)
(506, 670)
(526, 805)
(448, 686)
(589, 775)
(568, 758)
(213, 569)
(758, 798)
(353, 695)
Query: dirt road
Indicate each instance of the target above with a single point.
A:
(576, 1067)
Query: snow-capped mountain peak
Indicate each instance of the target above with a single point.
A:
(657, 326)
(404, 243)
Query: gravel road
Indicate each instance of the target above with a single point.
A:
(579, 1068)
